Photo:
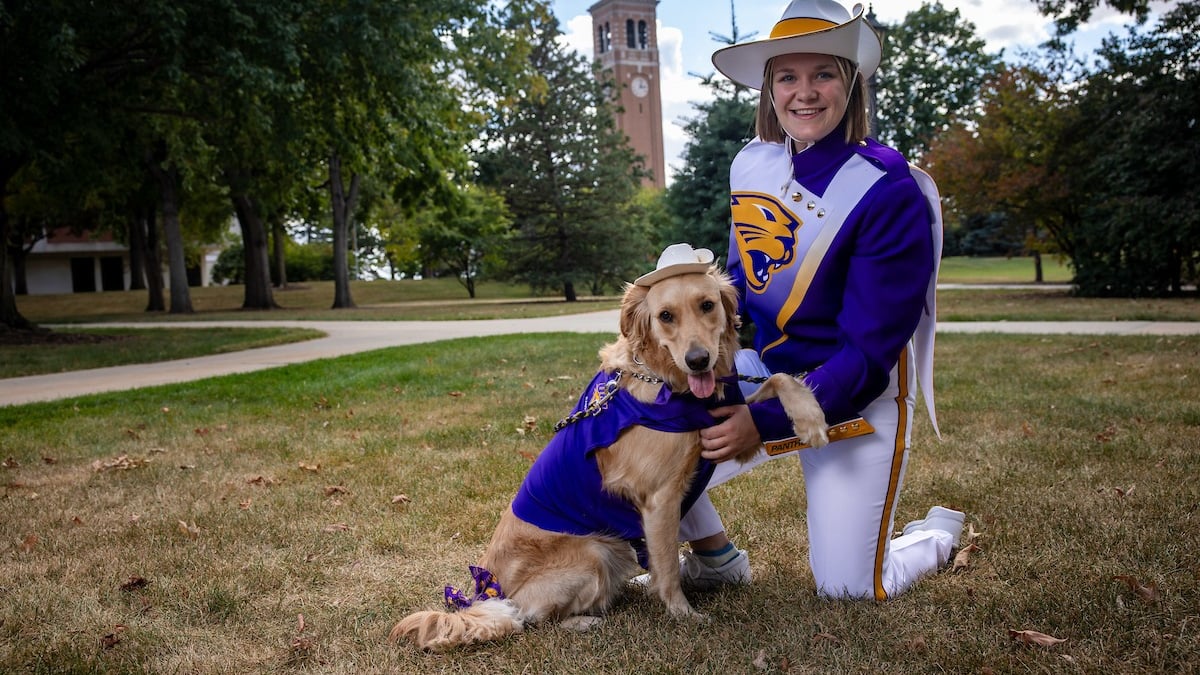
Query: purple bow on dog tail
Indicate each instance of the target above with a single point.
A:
(487, 587)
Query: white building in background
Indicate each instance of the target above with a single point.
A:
(64, 262)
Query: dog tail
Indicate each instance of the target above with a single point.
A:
(481, 622)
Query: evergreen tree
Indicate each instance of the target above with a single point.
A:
(566, 171)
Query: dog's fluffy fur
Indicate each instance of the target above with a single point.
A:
(682, 330)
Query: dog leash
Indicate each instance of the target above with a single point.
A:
(598, 405)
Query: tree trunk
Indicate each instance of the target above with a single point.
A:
(168, 181)
(343, 213)
(1038, 275)
(9, 316)
(278, 238)
(258, 265)
(137, 250)
(569, 291)
(151, 263)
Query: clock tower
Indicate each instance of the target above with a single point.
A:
(625, 41)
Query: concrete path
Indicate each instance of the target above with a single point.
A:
(350, 337)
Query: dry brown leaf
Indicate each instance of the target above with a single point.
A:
(337, 527)
(963, 558)
(1146, 593)
(200, 431)
(245, 504)
(917, 643)
(135, 583)
(28, 543)
(1032, 637)
(530, 422)
(299, 623)
(331, 490)
(261, 480)
(190, 530)
(456, 394)
(112, 639)
(1027, 429)
(10, 463)
(119, 463)
(971, 534)
(401, 499)
(760, 660)
(309, 467)
(49, 460)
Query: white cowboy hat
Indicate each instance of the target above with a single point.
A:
(677, 259)
(806, 27)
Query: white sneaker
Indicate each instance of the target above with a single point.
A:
(939, 518)
(695, 575)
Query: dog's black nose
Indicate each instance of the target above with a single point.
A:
(697, 358)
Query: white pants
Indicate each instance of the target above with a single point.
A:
(853, 486)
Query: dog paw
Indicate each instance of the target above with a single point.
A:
(812, 432)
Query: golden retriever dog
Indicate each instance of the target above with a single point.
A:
(680, 333)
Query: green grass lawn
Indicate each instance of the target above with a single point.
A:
(283, 520)
(964, 270)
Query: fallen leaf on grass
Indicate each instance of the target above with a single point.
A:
(135, 582)
(261, 480)
(401, 499)
(309, 467)
(337, 527)
(760, 660)
(28, 543)
(963, 558)
(49, 460)
(1032, 637)
(529, 423)
(245, 504)
(191, 531)
(456, 394)
(112, 639)
(10, 463)
(119, 463)
(331, 490)
(916, 643)
(1146, 593)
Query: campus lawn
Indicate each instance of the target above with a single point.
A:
(282, 521)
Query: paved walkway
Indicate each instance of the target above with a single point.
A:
(350, 337)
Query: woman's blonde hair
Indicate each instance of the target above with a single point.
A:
(857, 120)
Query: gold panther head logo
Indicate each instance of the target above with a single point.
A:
(765, 234)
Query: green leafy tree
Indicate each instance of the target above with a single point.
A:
(698, 199)
(1140, 230)
(566, 172)
(460, 238)
(933, 66)
(1070, 14)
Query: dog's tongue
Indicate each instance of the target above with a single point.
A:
(702, 385)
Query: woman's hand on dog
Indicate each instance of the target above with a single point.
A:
(735, 435)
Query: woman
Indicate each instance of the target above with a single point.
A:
(834, 246)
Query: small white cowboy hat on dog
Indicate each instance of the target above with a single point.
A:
(677, 259)
(807, 27)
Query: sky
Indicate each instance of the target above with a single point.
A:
(686, 45)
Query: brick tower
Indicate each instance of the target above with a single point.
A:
(625, 40)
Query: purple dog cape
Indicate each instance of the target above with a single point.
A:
(563, 491)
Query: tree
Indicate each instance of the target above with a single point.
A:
(1005, 165)
(566, 172)
(698, 199)
(1070, 14)
(1140, 230)
(460, 238)
(932, 69)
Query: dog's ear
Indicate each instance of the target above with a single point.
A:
(729, 302)
(635, 317)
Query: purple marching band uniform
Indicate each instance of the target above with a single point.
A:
(834, 253)
(845, 346)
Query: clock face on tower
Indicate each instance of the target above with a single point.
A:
(639, 86)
